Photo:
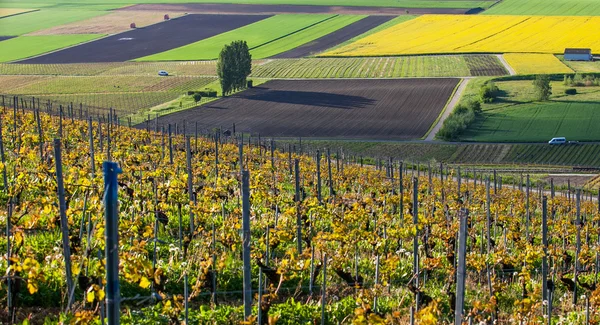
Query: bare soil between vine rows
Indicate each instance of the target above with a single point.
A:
(357, 108)
(149, 40)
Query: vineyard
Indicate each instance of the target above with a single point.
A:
(390, 67)
(181, 209)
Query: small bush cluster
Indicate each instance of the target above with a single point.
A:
(203, 93)
(459, 121)
(570, 91)
(488, 92)
(580, 80)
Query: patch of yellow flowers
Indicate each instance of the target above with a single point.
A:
(478, 34)
(535, 63)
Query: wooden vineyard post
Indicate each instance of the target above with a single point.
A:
(527, 208)
(111, 211)
(461, 270)
(331, 193)
(216, 157)
(246, 244)
(170, 145)
(318, 158)
(458, 177)
(64, 223)
(8, 222)
(415, 212)
(578, 248)
(40, 132)
(190, 181)
(545, 295)
(324, 290)
(298, 200)
(401, 184)
(92, 158)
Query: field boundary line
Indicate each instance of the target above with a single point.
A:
(507, 66)
(102, 36)
(21, 13)
(452, 102)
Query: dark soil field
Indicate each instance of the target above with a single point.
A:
(4, 38)
(290, 9)
(487, 65)
(369, 109)
(149, 40)
(335, 38)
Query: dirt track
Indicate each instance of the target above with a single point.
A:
(149, 40)
(335, 38)
(206, 8)
(369, 109)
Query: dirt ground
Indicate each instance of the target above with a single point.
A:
(150, 40)
(248, 9)
(337, 37)
(370, 109)
(113, 23)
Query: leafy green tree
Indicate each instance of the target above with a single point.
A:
(197, 97)
(234, 66)
(542, 87)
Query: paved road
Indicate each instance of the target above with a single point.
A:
(506, 65)
(449, 108)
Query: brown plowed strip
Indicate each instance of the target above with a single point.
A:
(246, 9)
(371, 109)
(337, 37)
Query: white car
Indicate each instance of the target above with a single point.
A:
(163, 73)
(560, 140)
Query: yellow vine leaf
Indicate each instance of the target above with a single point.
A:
(144, 282)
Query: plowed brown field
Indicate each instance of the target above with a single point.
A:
(370, 109)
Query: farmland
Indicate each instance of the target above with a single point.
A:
(115, 22)
(191, 68)
(141, 42)
(546, 8)
(467, 4)
(582, 66)
(385, 109)
(528, 63)
(516, 117)
(42, 19)
(265, 38)
(5, 12)
(23, 47)
(477, 34)
(390, 67)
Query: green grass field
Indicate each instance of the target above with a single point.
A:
(582, 66)
(304, 36)
(258, 34)
(515, 117)
(466, 4)
(387, 67)
(38, 20)
(546, 8)
(27, 46)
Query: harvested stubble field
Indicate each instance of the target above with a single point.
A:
(5, 12)
(478, 34)
(115, 22)
(382, 109)
(386, 67)
(142, 42)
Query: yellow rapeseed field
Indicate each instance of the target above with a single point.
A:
(12, 11)
(478, 34)
(536, 63)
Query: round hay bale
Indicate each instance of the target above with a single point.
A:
(132, 25)
(167, 17)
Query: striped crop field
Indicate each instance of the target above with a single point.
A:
(478, 34)
(386, 67)
(23, 47)
(534, 63)
(265, 38)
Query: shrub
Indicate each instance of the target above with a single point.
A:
(570, 91)
(456, 123)
(203, 93)
(542, 87)
(488, 92)
(197, 97)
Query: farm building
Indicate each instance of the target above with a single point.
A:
(578, 55)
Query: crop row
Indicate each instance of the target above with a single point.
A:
(198, 68)
(386, 67)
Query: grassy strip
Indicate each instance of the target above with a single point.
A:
(546, 8)
(256, 34)
(42, 19)
(27, 46)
